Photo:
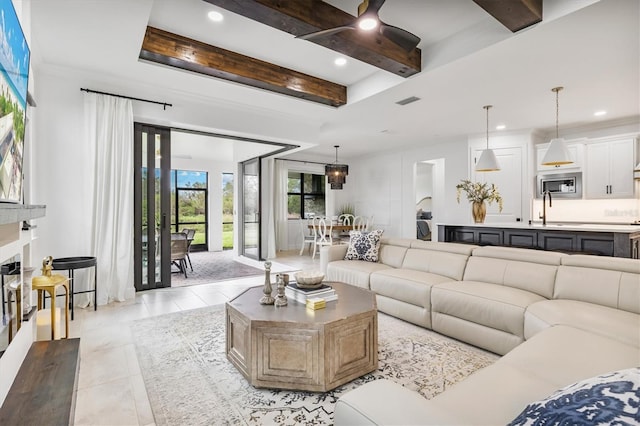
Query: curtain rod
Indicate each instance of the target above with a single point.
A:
(164, 104)
(299, 161)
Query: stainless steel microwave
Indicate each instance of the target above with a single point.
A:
(560, 185)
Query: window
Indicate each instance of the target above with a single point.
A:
(189, 204)
(305, 196)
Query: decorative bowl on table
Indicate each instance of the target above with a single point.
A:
(309, 279)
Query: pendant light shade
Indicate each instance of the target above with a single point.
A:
(336, 173)
(488, 161)
(557, 154)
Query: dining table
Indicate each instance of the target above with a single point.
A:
(337, 228)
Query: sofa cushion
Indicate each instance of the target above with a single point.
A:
(457, 248)
(491, 305)
(406, 285)
(614, 323)
(392, 255)
(529, 270)
(376, 403)
(607, 281)
(354, 272)
(611, 398)
(530, 372)
(438, 262)
(364, 245)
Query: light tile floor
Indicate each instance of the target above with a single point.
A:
(110, 386)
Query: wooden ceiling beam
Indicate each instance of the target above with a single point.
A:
(181, 52)
(300, 17)
(513, 14)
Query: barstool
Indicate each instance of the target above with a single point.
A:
(50, 283)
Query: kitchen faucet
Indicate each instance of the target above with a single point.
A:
(544, 207)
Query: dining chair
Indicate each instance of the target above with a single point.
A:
(190, 233)
(359, 223)
(346, 219)
(179, 246)
(308, 234)
(324, 231)
(369, 224)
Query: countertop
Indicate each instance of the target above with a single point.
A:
(586, 227)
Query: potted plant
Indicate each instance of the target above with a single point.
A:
(478, 193)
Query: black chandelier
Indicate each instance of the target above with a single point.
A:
(336, 173)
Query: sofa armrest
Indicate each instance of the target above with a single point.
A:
(331, 254)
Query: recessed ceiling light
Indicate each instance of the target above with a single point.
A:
(215, 16)
(600, 113)
(501, 127)
(340, 61)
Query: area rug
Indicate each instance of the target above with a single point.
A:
(209, 267)
(190, 381)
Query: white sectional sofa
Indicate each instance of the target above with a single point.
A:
(555, 318)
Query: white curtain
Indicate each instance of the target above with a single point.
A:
(109, 126)
(268, 232)
(280, 205)
(274, 191)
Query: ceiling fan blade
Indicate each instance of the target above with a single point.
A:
(402, 38)
(324, 33)
(370, 6)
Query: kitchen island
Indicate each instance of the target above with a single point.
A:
(600, 239)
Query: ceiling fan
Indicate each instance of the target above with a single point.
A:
(368, 20)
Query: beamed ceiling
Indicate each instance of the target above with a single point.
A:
(468, 57)
(298, 17)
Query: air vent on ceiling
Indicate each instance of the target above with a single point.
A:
(408, 100)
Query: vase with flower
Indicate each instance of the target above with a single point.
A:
(478, 193)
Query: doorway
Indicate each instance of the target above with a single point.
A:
(152, 207)
(429, 192)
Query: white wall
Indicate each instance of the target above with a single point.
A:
(383, 185)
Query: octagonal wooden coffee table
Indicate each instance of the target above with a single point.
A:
(293, 347)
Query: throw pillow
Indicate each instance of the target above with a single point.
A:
(612, 398)
(364, 245)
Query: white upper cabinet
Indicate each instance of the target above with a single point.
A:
(609, 169)
(576, 150)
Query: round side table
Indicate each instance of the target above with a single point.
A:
(79, 262)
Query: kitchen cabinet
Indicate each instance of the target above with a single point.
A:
(576, 152)
(609, 169)
(603, 240)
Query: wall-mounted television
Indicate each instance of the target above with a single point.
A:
(14, 79)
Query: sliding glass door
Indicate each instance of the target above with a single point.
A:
(152, 207)
(249, 207)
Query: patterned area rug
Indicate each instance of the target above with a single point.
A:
(209, 267)
(189, 380)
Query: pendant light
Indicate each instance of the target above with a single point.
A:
(557, 154)
(336, 173)
(488, 161)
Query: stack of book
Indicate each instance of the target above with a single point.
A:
(316, 303)
(326, 292)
